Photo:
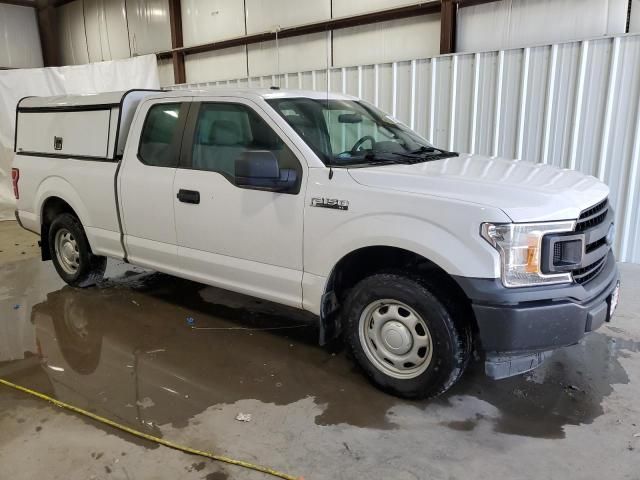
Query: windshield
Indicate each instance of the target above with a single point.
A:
(349, 132)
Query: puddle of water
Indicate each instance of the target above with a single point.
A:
(128, 350)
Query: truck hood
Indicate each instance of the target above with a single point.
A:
(525, 191)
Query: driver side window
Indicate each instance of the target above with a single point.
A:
(224, 131)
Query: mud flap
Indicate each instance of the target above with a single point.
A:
(499, 366)
(330, 325)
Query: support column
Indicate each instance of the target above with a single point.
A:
(175, 18)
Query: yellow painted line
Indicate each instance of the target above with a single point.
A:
(151, 438)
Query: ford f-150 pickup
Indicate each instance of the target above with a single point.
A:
(413, 255)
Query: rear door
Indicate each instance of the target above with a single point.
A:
(146, 183)
(231, 236)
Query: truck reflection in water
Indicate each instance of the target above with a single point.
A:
(131, 352)
(128, 351)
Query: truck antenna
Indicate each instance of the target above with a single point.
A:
(329, 47)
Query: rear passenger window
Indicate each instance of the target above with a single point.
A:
(225, 130)
(160, 136)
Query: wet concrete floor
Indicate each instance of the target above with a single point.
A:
(180, 360)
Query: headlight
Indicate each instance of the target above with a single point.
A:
(520, 246)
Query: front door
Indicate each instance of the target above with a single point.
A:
(238, 238)
(145, 188)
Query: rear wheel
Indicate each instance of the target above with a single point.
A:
(71, 253)
(408, 341)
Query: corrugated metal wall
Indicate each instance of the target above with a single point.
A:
(573, 105)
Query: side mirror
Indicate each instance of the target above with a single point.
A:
(259, 170)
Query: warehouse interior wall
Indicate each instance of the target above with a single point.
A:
(20, 44)
(96, 30)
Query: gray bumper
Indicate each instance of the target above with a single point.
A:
(525, 322)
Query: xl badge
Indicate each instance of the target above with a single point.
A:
(330, 203)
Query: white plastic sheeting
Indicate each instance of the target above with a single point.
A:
(20, 41)
(574, 105)
(139, 72)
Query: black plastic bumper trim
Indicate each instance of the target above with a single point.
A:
(539, 318)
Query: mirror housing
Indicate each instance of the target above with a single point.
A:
(259, 170)
(349, 118)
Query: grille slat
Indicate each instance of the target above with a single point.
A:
(593, 216)
(590, 219)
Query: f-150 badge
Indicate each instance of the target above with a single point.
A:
(330, 203)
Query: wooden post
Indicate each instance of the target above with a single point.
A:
(48, 30)
(448, 14)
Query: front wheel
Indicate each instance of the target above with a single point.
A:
(71, 253)
(407, 341)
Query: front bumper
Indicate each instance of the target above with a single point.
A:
(528, 322)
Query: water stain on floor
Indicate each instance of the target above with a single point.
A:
(148, 350)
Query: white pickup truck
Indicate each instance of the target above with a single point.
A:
(414, 255)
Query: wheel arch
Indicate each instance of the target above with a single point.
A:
(362, 262)
(52, 207)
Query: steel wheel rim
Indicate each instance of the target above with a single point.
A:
(67, 251)
(395, 339)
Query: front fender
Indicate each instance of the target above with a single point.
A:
(461, 253)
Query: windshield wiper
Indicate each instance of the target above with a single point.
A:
(424, 154)
(433, 151)
(374, 158)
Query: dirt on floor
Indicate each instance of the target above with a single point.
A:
(16, 243)
(181, 360)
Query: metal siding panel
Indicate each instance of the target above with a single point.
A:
(510, 104)
(21, 45)
(149, 29)
(593, 107)
(264, 15)
(206, 21)
(71, 31)
(423, 89)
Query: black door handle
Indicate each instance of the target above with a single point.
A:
(189, 196)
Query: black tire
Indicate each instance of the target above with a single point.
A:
(90, 268)
(450, 334)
